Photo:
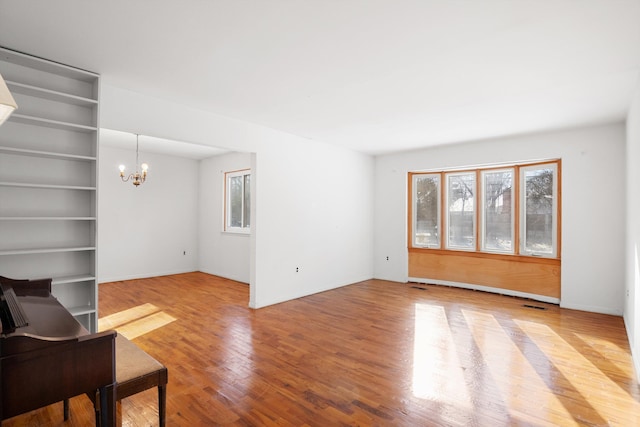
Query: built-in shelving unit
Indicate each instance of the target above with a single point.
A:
(48, 180)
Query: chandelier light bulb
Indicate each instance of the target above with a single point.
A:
(144, 167)
(121, 168)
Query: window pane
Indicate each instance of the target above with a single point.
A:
(235, 201)
(539, 207)
(498, 212)
(461, 201)
(427, 211)
(246, 213)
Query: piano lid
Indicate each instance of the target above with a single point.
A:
(49, 324)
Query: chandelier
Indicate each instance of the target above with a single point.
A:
(137, 177)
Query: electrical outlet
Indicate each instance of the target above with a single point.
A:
(387, 258)
(297, 269)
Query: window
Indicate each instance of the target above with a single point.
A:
(503, 210)
(461, 217)
(497, 210)
(238, 201)
(539, 204)
(427, 212)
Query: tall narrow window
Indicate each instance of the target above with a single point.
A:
(426, 220)
(461, 217)
(238, 201)
(497, 211)
(539, 205)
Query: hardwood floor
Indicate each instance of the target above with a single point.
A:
(373, 353)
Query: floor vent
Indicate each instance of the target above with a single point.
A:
(537, 307)
(418, 287)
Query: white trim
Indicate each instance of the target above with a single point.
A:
(237, 230)
(482, 199)
(447, 220)
(634, 356)
(235, 279)
(227, 228)
(541, 298)
(592, 309)
(523, 211)
(142, 276)
(414, 209)
(242, 232)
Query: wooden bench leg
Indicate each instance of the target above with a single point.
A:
(162, 403)
(65, 409)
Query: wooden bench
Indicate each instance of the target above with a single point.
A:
(136, 371)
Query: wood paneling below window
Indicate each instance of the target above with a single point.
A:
(538, 276)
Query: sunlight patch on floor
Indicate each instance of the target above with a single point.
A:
(125, 316)
(580, 372)
(502, 355)
(136, 321)
(607, 349)
(437, 372)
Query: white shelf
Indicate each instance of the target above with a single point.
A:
(45, 154)
(46, 250)
(47, 66)
(78, 311)
(47, 218)
(31, 120)
(51, 143)
(51, 95)
(48, 186)
(72, 279)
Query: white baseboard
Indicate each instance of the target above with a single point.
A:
(235, 279)
(635, 355)
(140, 276)
(471, 286)
(636, 362)
(592, 309)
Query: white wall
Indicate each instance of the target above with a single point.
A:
(314, 212)
(593, 228)
(313, 202)
(144, 231)
(223, 254)
(632, 288)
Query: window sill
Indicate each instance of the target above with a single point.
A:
(236, 233)
(488, 255)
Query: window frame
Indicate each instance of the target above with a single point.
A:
(438, 210)
(555, 209)
(474, 214)
(227, 227)
(482, 234)
(479, 202)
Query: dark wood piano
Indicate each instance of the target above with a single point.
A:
(51, 358)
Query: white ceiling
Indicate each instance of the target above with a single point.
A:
(375, 76)
(126, 140)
